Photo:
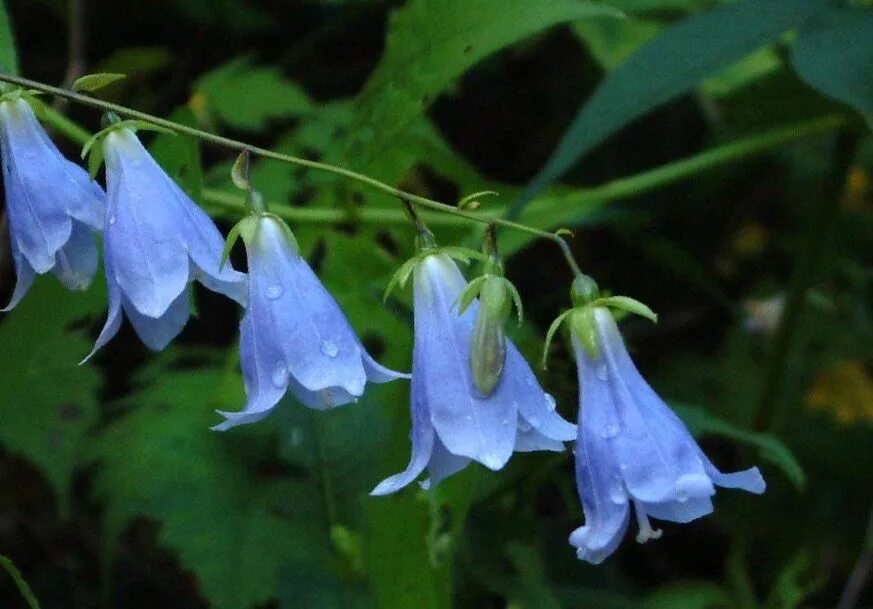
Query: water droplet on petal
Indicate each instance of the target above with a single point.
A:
(610, 431)
(295, 436)
(617, 494)
(523, 425)
(550, 403)
(273, 291)
(112, 219)
(329, 348)
(534, 421)
(280, 374)
(602, 372)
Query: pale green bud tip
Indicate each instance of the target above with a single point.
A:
(488, 345)
(583, 326)
(584, 290)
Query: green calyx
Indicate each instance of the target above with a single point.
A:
(402, 275)
(582, 321)
(113, 122)
(247, 229)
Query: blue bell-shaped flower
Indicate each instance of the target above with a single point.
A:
(453, 423)
(632, 450)
(53, 208)
(156, 241)
(294, 337)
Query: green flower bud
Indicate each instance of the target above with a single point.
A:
(488, 345)
(583, 327)
(584, 290)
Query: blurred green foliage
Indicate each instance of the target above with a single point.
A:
(706, 136)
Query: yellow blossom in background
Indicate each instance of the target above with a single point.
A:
(846, 390)
(859, 190)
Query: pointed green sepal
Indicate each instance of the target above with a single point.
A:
(630, 305)
(550, 335)
(401, 276)
(247, 224)
(239, 173)
(516, 299)
(471, 201)
(93, 82)
(470, 293)
(459, 253)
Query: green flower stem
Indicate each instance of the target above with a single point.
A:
(22, 586)
(769, 414)
(611, 191)
(265, 153)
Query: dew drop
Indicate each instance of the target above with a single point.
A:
(273, 291)
(617, 494)
(523, 426)
(295, 436)
(550, 403)
(610, 431)
(602, 372)
(112, 219)
(505, 422)
(534, 421)
(491, 461)
(280, 374)
(329, 348)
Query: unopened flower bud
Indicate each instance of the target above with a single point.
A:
(488, 345)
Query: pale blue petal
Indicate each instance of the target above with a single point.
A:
(749, 480)
(77, 261)
(529, 440)
(113, 318)
(535, 406)
(598, 473)
(679, 511)
(157, 332)
(320, 349)
(422, 437)
(376, 372)
(24, 278)
(143, 230)
(442, 464)
(655, 452)
(469, 425)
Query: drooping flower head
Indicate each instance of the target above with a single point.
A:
(53, 208)
(632, 450)
(453, 423)
(294, 337)
(156, 242)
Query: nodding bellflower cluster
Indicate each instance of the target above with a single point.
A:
(473, 396)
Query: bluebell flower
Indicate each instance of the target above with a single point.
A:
(294, 336)
(452, 422)
(53, 208)
(632, 449)
(156, 241)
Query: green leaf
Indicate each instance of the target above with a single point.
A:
(247, 97)
(612, 41)
(20, 583)
(47, 400)
(432, 42)
(137, 60)
(834, 55)
(664, 68)
(771, 448)
(233, 526)
(690, 595)
(8, 54)
(93, 82)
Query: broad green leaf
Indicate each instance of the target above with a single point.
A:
(136, 60)
(8, 54)
(770, 447)
(432, 42)
(47, 401)
(236, 527)
(664, 68)
(94, 82)
(834, 54)
(612, 41)
(247, 97)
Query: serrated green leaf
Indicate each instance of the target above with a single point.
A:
(47, 401)
(94, 82)
(228, 93)
(8, 54)
(834, 55)
(666, 66)
(700, 422)
(432, 42)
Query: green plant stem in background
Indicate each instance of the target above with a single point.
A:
(860, 573)
(265, 153)
(25, 590)
(770, 412)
